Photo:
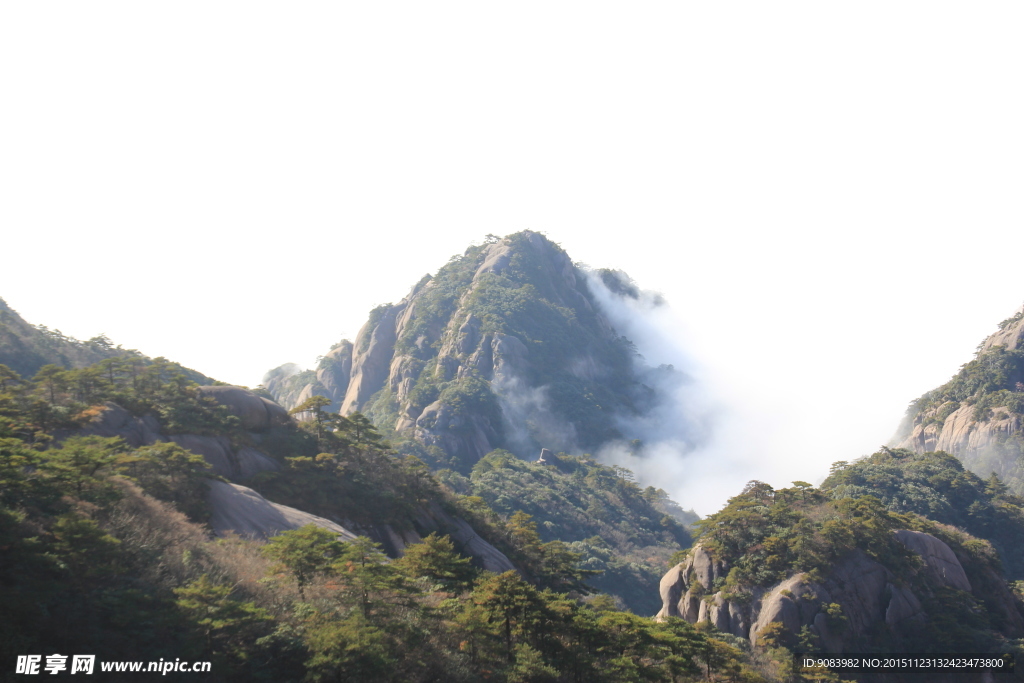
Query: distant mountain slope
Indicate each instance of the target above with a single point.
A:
(505, 347)
(977, 415)
(25, 348)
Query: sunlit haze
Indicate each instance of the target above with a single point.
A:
(827, 195)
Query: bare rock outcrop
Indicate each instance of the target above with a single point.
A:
(235, 463)
(335, 371)
(245, 512)
(856, 596)
(959, 433)
(1010, 336)
(256, 413)
(111, 419)
(939, 560)
(239, 509)
(432, 518)
(985, 439)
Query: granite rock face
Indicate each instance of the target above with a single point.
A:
(113, 420)
(256, 413)
(432, 518)
(939, 561)
(959, 433)
(238, 509)
(986, 440)
(867, 593)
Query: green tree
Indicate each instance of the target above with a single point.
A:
(512, 606)
(435, 559)
(79, 463)
(362, 430)
(305, 551)
(18, 485)
(368, 575)
(228, 627)
(530, 667)
(313, 406)
(53, 379)
(8, 378)
(169, 472)
(349, 649)
(681, 642)
(84, 548)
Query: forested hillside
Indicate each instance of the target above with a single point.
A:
(106, 547)
(25, 348)
(938, 486)
(624, 532)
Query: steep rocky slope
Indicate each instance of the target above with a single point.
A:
(977, 415)
(505, 347)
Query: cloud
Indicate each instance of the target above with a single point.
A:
(691, 441)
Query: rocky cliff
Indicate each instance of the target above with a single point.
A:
(977, 415)
(832, 570)
(859, 598)
(505, 347)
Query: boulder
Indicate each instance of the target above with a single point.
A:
(256, 413)
(706, 569)
(434, 519)
(672, 588)
(245, 512)
(225, 461)
(904, 606)
(113, 420)
(866, 592)
(335, 373)
(780, 605)
(467, 439)
(250, 462)
(940, 563)
(216, 451)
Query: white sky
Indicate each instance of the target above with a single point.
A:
(829, 194)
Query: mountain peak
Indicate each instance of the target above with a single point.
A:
(1010, 333)
(504, 347)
